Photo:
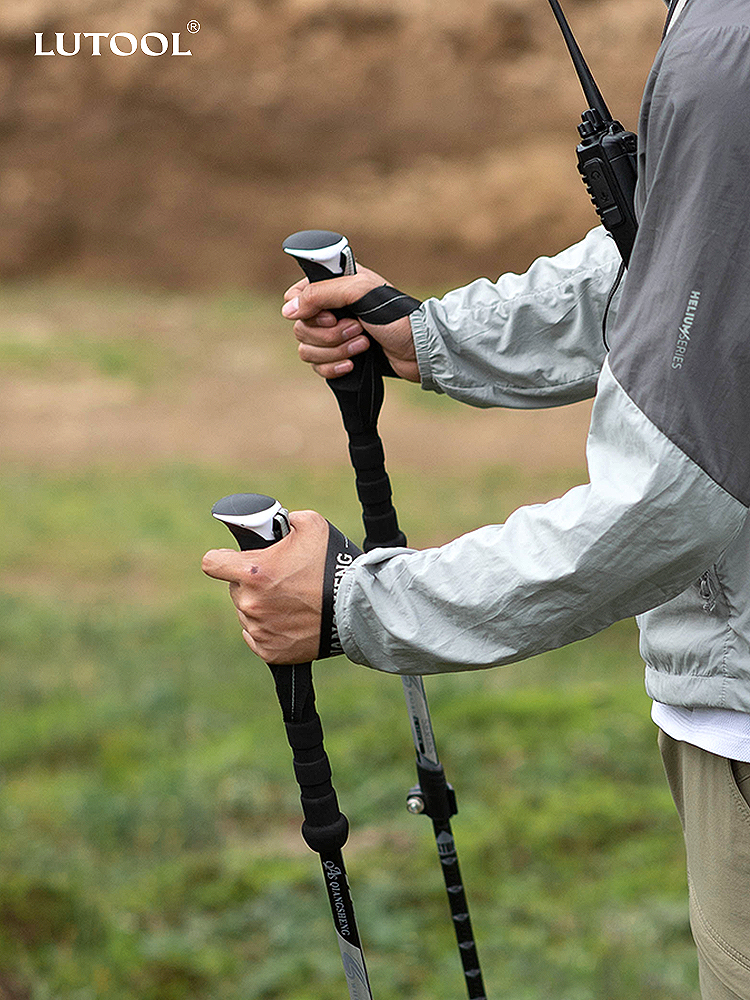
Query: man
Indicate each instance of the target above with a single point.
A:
(661, 530)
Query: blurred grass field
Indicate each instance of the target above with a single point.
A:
(149, 821)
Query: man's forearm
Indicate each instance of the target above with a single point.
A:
(529, 340)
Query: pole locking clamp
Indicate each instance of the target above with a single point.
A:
(433, 797)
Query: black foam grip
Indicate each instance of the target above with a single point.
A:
(321, 811)
(311, 773)
(382, 532)
(376, 491)
(360, 392)
(327, 839)
(366, 451)
(325, 828)
(304, 735)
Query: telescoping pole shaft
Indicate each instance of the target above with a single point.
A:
(436, 798)
(359, 393)
(257, 521)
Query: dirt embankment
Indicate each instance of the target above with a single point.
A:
(438, 136)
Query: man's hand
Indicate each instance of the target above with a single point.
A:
(278, 591)
(328, 344)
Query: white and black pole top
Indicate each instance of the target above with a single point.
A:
(255, 520)
(320, 253)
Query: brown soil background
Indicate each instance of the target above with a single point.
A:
(438, 136)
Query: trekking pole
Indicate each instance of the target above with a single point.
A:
(257, 521)
(359, 393)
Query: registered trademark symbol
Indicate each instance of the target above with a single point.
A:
(193, 27)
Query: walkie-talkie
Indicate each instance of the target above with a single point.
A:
(606, 154)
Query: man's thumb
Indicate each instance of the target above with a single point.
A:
(224, 564)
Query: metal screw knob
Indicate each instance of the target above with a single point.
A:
(415, 805)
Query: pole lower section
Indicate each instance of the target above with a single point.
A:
(325, 828)
(459, 908)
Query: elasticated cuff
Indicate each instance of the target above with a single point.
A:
(422, 342)
(343, 620)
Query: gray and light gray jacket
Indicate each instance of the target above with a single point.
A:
(661, 530)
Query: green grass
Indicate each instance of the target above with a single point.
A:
(149, 820)
(149, 816)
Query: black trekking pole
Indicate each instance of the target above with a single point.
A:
(360, 393)
(257, 521)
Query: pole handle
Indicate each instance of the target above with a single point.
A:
(322, 255)
(258, 521)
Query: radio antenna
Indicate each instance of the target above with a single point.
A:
(591, 91)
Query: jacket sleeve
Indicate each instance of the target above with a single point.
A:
(554, 572)
(525, 341)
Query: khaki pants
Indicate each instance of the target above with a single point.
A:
(712, 794)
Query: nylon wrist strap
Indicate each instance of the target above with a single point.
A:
(383, 305)
(341, 553)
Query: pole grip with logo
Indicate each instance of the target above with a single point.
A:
(258, 521)
(323, 255)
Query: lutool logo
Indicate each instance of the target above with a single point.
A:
(119, 43)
